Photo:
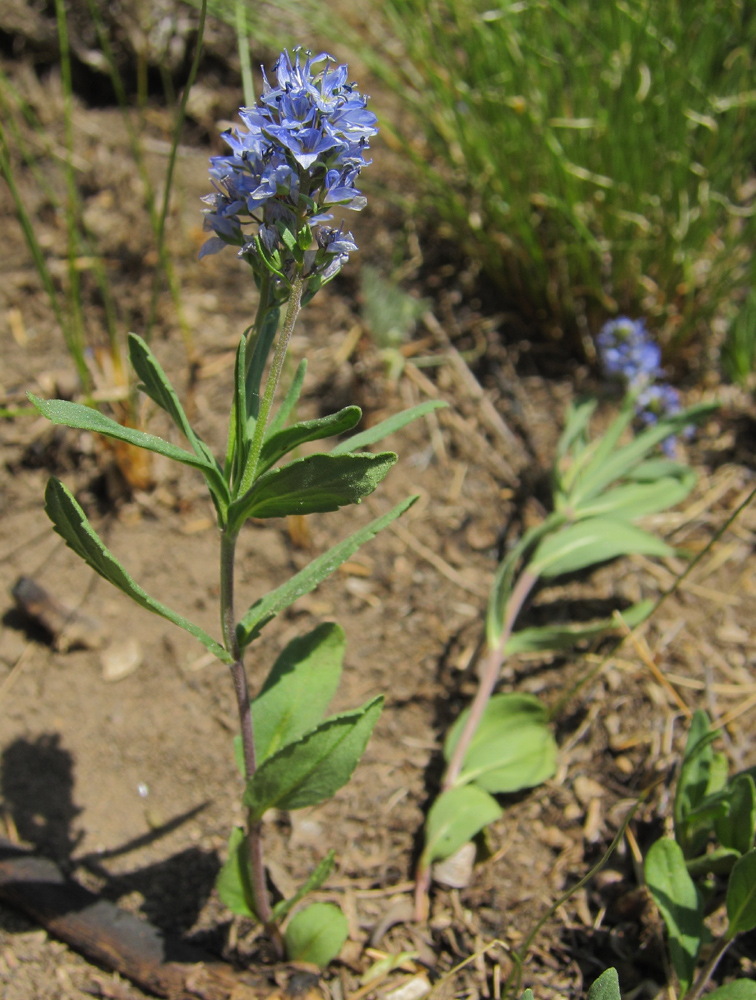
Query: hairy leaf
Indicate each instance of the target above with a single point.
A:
(267, 607)
(290, 399)
(389, 426)
(606, 987)
(282, 442)
(72, 525)
(314, 767)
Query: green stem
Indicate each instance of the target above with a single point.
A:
(708, 970)
(276, 367)
(241, 688)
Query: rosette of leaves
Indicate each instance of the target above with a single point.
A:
(711, 860)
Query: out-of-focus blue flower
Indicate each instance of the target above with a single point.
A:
(655, 402)
(301, 154)
(627, 351)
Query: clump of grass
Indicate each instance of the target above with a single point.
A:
(597, 157)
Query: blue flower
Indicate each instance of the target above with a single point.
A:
(627, 351)
(301, 153)
(655, 402)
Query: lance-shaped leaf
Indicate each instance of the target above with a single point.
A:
(606, 987)
(553, 637)
(637, 499)
(282, 442)
(316, 934)
(513, 746)
(675, 894)
(741, 896)
(297, 691)
(84, 418)
(576, 424)
(594, 453)
(454, 818)
(736, 829)
(234, 882)
(267, 607)
(738, 989)
(290, 399)
(72, 525)
(389, 426)
(314, 882)
(315, 484)
(313, 768)
(613, 465)
(657, 468)
(590, 542)
(158, 387)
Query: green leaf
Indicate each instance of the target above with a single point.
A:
(654, 469)
(578, 417)
(454, 818)
(680, 905)
(298, 689)
(314, 767)
(158, 387)
(316, 934)
(716, 862)
(290, 399)
(634, 500)
(267, 607)
(256, 361)
(613, 464)
(513, 746)
(282, 442)
(553, 637)
(595, 540)
(234, 883)
(606, 987)
(314, 882)
(84, 418)
(693, 786)
(72, 525)
(738, 989)
(503, 580)
(737, 828)
(389, 426)
(741, 895)
(527, 995)
(317, 483)
(594, 455)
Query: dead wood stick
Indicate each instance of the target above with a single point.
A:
(113, 938)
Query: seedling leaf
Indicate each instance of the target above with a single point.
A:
(676, 896)
(606, 987)
(736, 829)
(314, 882)
(741, 895)
(234, 884)
(316, 934)
(454, 818)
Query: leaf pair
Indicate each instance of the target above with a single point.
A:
(513, 748)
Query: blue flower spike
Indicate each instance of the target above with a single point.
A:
(299, 155)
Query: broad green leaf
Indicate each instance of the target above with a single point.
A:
(679, 903)
(389, 426)
(454, 818)
(290, 399)
(716, 862)
(606, 987)
(314, 882)
(504, 578)
(555, 637)
(316, 766)
(616, 463)
(257, 357)
(72, 525)
(634, 500)
(234, 884)
(316, 934)
(736, 829)
(741, 895)
(267, 607)
(298, 689)
(513, 746)
(158, 387)
(282, 442)
(595, 540)
(84, 418)
(317, 483)
(738, 989)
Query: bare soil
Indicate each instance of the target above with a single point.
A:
(130, 783)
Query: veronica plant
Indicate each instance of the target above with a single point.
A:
(299, 157)
(600, 488)
(711, 860)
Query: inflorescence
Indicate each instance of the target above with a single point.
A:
(628, 353)
(300, 156)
